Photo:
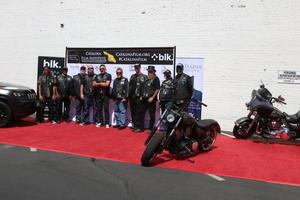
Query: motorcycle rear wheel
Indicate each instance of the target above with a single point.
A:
(240, 131)
(152, 149)
(210, 139)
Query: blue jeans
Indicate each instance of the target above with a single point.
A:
(79, 109)
(120, 112)
(89, 101)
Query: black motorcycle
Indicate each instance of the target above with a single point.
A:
(183, 136)
(266, 120)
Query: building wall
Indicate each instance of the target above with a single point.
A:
(242, 41)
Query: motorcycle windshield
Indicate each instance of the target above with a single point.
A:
(258, 100)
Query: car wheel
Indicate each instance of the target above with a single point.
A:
(5, 114)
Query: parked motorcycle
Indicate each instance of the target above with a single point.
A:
(183, 136)
(266, 120)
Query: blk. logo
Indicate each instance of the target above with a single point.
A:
(51, 64)
(162, 57)
(154, 57)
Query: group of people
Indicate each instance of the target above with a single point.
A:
(92, 90)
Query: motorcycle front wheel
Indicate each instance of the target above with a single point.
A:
(152, 149)
(240, 132)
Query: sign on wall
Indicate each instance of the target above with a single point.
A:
(286, 76)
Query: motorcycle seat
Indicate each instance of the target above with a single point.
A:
(295, 118)
(206, 123)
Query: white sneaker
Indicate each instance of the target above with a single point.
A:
(98, 125)
(107, 126)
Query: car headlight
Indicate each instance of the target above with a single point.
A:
(170, 118)
(17, 94)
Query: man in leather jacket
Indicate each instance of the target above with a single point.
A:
(120, 94)
(167, 91)
(136, 85)
(184, 87)
(87, 95)
(149, 95)
(46, 95)
(63, 94)
(77, 81)
(101, 83)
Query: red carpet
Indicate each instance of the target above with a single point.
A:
(274, 163)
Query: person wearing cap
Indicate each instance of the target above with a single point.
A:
(77, 81)
(46, 95)
(167, 91)
(120, 94)
(184, 87)
(101, 83)
(63, 94)
(136, 85)
(149, 95)
(87, 95)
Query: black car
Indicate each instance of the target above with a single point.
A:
(16, 102)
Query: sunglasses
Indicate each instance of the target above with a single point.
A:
(119, 72)
(102, 68)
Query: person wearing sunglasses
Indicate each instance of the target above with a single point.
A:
(120, 94)
(101, 83)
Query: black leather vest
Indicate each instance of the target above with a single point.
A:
(47, 84)
(64, 84)
(167, 90)
(120, 88)
(184, 87)
(102, 78)
(136, 84)
(88, 88)
(77, 81)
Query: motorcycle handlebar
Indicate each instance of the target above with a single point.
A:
(278, 100)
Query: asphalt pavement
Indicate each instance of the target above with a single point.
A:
(33, 174)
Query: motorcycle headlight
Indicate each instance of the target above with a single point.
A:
(170, 118)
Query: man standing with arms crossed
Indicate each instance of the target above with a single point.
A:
(101, 82)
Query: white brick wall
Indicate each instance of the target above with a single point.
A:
(242, 41)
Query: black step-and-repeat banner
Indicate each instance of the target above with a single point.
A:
(54, 63)
(162, 58)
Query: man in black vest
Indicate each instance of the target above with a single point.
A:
(101, 83)
(63, 93)
(120, 95)
(77, 81)
(184, 87)
(46, 94)
(167, 91)
(149, 97)
(136, 85)
(87, 95)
